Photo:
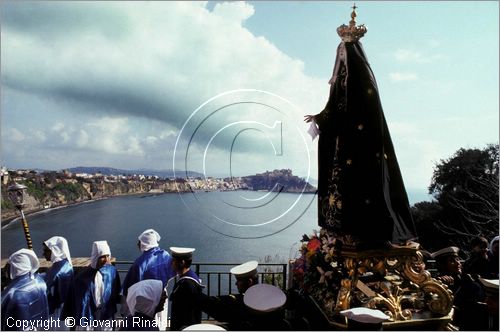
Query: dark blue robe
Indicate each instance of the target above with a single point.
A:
(186, 301)
(80, 302)
(59, 279)
(155, 263)
(24, 299)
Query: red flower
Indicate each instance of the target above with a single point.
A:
(314, 244)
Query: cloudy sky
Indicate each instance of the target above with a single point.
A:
(224, 86)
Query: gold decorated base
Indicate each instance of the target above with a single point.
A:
(389, 278)
(393, 280)
(424, 322)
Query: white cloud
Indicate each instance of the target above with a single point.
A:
(166, 59)
(406, 55)
(83, 138)
(167, 133)
(151, 140)
(111, 125)
(57, 127)
(400, 76)
(15, 135)
(234, 12)
(40, 136)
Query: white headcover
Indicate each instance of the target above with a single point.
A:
(204, 327)
(99, 248)
(23, 261)
(149, 239)
(495, 239)
(144, 296)
(59, 248)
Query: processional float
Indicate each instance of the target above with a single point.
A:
(365, 254)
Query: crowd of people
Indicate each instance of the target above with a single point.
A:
(90, 299)
(470, 282)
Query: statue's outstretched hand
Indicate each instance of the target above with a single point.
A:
(308, 118)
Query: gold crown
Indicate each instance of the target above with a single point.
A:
(351, 33)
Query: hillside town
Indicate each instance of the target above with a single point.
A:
(49, 189)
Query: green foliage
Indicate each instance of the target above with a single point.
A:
(36, 189)
(425, 215)
(72, 191)
(7, 204)
(465, 188)
(273, 275)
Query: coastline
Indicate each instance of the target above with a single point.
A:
(7, 221)
(10, 220)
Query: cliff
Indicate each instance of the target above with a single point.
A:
(54, 189)
(42, 193)
(278, 180)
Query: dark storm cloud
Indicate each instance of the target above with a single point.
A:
(64, 19)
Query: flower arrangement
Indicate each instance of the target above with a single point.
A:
(315, 272)
(393, 280)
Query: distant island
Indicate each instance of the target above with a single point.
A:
(51, 189)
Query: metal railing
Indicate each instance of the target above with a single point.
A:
(219, 281)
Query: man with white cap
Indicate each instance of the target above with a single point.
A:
(468, 293)
(230, 308)
(25, 298)
(449, 266)
(266, 308)
(59, 277)
(154, 263)
(186, 295)
(96, 290)
(144, 299)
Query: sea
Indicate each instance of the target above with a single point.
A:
(223, 227)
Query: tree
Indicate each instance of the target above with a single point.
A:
(426, 215)
(466, 188)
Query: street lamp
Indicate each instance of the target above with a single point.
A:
(17, 194)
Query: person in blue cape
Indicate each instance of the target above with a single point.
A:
(25, 297)
(145, 299)
(154, 263)
(186, 295)
(96, 291)
(59, 277)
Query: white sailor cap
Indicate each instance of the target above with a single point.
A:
(365, 315)
(264, 298)
(245, 270)
(182, 252)
(448, 251)
(490, 286)
(204, 327)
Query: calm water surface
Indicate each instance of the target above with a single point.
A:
(223, 226)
